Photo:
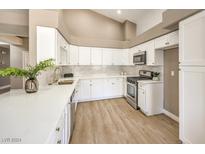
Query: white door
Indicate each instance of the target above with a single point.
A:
(192, 104)
(74, 55)
(142, 100)
(191, 40)
(96, 56)
(84, 56)
(107, 56)
(97, 88)
(85, 90)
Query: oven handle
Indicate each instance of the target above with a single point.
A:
(131, 84)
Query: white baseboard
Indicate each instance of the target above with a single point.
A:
(171, 115)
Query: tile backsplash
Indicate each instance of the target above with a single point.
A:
(109, 70)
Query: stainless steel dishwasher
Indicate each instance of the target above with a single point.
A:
(71, 116)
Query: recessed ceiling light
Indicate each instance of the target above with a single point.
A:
(119, 11)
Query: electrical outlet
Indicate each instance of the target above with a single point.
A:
(172, 73)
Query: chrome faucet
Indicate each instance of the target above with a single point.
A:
(56, 74)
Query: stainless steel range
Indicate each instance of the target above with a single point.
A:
(132, 87)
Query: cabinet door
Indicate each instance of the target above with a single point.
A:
(46, 43)
(107, 56)
(74, 55)
(107, 92)
(116, 56)
(191, 38)
(84, 56)
(117, 86)
(85, 91)
(96, 56)
(173, 38)
(150, 51)
(124, 57)
(142, 100)
(161, 42)
(97, 88)
(192, 105)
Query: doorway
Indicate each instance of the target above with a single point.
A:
(171, 81)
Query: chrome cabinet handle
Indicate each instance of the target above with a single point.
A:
(166, 43)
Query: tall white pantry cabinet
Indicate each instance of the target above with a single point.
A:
(192, 79)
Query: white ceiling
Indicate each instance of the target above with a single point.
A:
(133, 15)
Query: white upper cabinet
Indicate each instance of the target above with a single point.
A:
(107, 56)
(84, 56)
(74, 60)
(171, 39)
(191, 40)
(96, 56)
(153, 57)
(51, 44)
(62, 50)
(161, 42)
(46, 43)
(120, 57)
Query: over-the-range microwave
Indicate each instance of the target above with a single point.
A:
(139, 58)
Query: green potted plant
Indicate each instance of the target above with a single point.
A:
(30, 73)
(156, 76)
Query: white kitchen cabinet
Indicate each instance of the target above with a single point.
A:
(191, 39)
(192, 105)
(96, 56)
(74, 60)
(117, 86)
(46, 43)
(113, 87)
(153, 57)
(84, 56)
(168, 40)
(85, 91)
(51, 44)
(107, 56)
(120, 57)
(96, 88)
(102, 88)
(142, 100)
(150, 98)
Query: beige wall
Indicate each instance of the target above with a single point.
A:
(171, 83)
(89, 24)
(129, 29)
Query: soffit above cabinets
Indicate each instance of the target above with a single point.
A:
(133, 15)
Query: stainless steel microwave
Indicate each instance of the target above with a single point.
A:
(139, 58)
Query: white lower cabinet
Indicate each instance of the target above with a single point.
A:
(192, 105)
(150, 98)
(94, 89)
(85, 91)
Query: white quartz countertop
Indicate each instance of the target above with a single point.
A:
(32, 117)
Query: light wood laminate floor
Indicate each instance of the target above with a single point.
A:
(114, 121)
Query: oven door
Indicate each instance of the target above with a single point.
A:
(132, 94)
(139, 58)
